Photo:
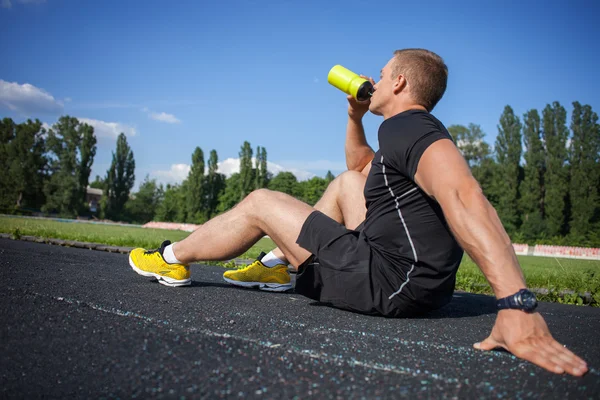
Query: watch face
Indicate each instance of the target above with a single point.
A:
(529, 300)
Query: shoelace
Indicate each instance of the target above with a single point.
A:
(248, 266)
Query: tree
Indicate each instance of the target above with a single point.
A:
(555, 134)
(120, 178)
(261, 176)
(312, 190)
(285, 182)
(532, 186)
(195, 194)
(486, 173)
(7, 135)
(470, 141)
(25, 164)
(508, 155)
(215, 184)
(230, 196)
(585, 170)
(72, 147)
(169, 208)
(246, 171)
(142, 207)
(98, 183)
(329, 177)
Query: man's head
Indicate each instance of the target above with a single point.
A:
(411, 77)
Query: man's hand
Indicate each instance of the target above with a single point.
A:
(358, 109)
(527, 337)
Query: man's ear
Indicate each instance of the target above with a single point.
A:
(399, 84)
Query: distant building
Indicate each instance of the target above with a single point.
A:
(92, 198)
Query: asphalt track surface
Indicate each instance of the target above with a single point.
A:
(79, 323)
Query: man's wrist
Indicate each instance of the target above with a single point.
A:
(500, 294)
(523, 299)
(356, 117)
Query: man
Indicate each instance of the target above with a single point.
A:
(394, 252)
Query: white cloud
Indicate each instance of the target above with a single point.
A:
(110, 130)
(27, 99)
(176, 174)
(164, 117)
(6, 4)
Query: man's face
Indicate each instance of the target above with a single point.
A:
(384, 90)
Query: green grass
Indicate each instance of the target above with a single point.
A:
(107, 234)
(555, 275)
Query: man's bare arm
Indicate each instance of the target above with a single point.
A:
(444, 175)
(358, 152)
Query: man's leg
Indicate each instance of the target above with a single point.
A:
(343, 201)
(262, 212)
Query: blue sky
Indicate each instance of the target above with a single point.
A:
(180, 74)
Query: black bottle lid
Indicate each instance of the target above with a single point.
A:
(365, 91)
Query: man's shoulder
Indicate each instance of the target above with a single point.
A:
(409, 127)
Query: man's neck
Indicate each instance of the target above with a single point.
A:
(401, 107)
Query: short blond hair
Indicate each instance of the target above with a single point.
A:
(426, 73)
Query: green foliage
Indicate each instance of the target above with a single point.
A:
(98, 183)
(261, 175)
(7, 135)
(312, 190)
(231, 194)
(72, 147)
(172, 206)
(555, 134)
(285, 182)
(215, 185)
(329, 177)
(470, 141)
(246, 171)
(507, 176)
(24, 164)
(553, 197)
(195, 190)
(532, 186)
(143, 206)
(584, 151)
(120, 178)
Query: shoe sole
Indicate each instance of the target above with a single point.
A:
(268, 287)
(165, 280)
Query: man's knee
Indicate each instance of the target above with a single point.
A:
(258, 196)
(348, 181)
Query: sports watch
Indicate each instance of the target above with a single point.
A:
(522, 300)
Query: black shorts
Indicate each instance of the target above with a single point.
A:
(339, 272)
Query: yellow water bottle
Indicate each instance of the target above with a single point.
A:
(350, 83)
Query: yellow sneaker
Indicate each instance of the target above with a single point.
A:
(274, 279)
(151, 263)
